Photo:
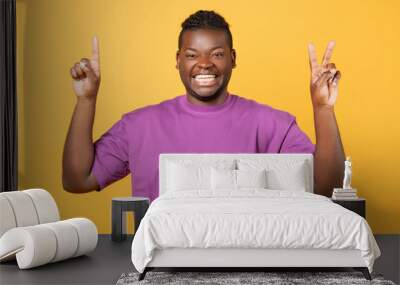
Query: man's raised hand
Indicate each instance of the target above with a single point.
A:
(324, 78)
(86, 74)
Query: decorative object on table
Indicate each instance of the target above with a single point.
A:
(347, 174)
(344, 194)
(31, 231)
(347, 192)
(121, 205)
(244, 278)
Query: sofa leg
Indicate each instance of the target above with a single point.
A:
(143, 274)
(364, 271)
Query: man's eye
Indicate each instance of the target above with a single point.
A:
(219, 54)
(190, 56)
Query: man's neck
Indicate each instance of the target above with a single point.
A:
(217, 101)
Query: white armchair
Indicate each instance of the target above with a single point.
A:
(31, 230)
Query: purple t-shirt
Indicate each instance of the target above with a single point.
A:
(238, 125)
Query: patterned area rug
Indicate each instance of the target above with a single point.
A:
(231, 278)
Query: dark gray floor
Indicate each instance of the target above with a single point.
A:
(111, 259)
(102, 266)
(389, 262)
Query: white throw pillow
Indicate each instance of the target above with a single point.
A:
(223, 179)
(186, 174)
(226, 179)
(181, 178)
(251, 178)
(288, 179)
(281, 174)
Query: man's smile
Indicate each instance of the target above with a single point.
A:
(205, 80)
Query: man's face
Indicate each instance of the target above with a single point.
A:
(205, 63)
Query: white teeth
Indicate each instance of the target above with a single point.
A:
(205, 76)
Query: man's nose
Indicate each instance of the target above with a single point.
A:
(204, 62)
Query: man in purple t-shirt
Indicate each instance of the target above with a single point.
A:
(207, 119)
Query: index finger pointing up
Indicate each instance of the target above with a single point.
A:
(312, 56)
(95, 49)
(328, 53)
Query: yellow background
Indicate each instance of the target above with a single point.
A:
(138, 41)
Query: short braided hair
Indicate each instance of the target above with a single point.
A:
(206, 20)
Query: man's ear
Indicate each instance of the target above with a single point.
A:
(233, 56)
(177, 60)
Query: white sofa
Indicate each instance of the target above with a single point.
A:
(31, 231)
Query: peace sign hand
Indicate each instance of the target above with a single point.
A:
(86, 74)
(324, 78)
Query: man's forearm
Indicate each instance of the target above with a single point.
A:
(329, 154)
(79, 150)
